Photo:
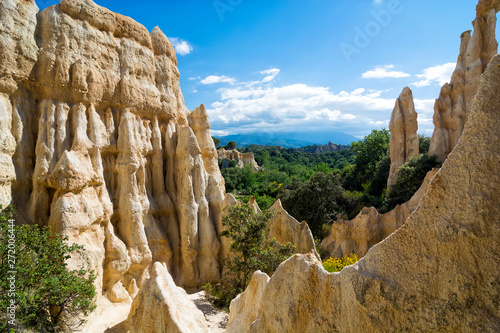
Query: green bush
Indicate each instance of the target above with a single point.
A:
(409, 179)
(250, 251)
(318, 201)
(47, 296)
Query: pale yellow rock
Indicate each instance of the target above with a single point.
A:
(370, 227)
(161, 306)
(285, 228)
(437, 273)
(453, 106)
(404, 139)
(241, 159)
(245, 307)
(96, 142)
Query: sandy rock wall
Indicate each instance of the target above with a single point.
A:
(438, 272)
(404, 139)
(98, 144)
(370, 227)
(242, 159)
(453, 106)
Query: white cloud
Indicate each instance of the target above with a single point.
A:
(298, 107)
(217, 79)
(438, 75)
(195, 91)
(382, 72)
(181, 47)
(271, 74)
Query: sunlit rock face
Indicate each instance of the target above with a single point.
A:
(437, 273)
(97, 143)
(454, 104)
(404, 139)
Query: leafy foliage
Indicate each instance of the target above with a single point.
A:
(317, 201)
(231, 145)
(250, 251)
(216, 141)
(410, 178)
(369, 152)
(337, 264)
(48, 296)
(424, 143)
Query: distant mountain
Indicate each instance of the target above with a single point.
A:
(288, 139)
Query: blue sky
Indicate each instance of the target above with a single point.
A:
(305, 66)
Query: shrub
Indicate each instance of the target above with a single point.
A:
(337, 264)
(250, 251)
(410, 178)
(48, 296)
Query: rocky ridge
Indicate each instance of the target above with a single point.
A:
(241, 159)
(98, 144)
(453, 106)
(435, 273)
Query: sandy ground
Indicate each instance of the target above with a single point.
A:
(216, 319)
(111, 318)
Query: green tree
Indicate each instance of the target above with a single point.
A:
(318, 201)
(368, 153)
(250, 251)
(410, 178)
(424, 143)
(216, 141)
(48, 296)
(231, 145)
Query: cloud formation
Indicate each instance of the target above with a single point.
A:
(244, 107)
(438, 75)
(181, 47)
(382, 72)
(270, 74)
(212, 79)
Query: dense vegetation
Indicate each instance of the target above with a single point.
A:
(250, 251)
(320, 187)
(36, 285)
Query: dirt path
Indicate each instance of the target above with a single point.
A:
(216, 319)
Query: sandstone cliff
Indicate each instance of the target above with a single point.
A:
(453, 106)
(370, 227)
(97, 143)
(241, 159)
(404, 139)
(438, 272)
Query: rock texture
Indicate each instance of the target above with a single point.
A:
(163, 307)
(285, 228)
(97, 143)
(241, 159)
(453, 106)
(404, 139)
(245, 307)
(438, 272)
(370, 227)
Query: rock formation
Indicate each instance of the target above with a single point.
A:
(452, 108)
(438, 272)
(241, 159)
(404, 139)
(161, 306)
(245, 307)
(370, 227)
(285, 228)
(97, 143)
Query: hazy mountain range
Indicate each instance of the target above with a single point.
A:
(288, 139)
